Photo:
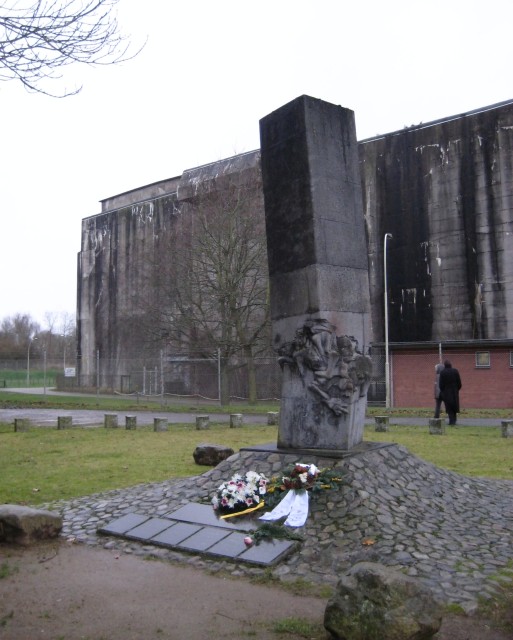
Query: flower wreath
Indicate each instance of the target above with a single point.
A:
(287, 496)
(241, 494)
(300, 476)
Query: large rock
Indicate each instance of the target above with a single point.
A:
(24, 525)
(374, 602)
(211, 454)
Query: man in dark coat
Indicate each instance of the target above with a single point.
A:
(450, 385)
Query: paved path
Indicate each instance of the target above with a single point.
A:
(91, 417)
(88, 417)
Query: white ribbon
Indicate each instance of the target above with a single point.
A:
(294, 505)
(282, 509)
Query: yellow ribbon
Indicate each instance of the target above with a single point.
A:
(242, 513)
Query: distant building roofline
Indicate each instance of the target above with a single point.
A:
(424, 125)
(145, 186)
(448, 344)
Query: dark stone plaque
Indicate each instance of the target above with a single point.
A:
(204, 539)
(231, 546)
(149, 529)
(268, 552)
(124, 524)
(205, 514)
(197, 529)
(176, 534)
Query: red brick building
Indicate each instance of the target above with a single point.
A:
(486, 370)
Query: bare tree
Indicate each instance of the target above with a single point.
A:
(209, 284)
(40, 37)
(58, 338)
(67, 324)
(16, 333)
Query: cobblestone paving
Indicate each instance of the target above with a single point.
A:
(452, 532)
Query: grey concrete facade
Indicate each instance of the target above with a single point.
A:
(444, 190)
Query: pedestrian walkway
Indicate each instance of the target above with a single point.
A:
(93, 417)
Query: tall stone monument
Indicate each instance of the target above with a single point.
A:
(318, 271)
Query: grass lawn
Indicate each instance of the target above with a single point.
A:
(471, 451)
(45, 464)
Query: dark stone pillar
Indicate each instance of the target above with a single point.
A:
(318, 272)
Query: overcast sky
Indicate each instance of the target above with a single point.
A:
(210, 70)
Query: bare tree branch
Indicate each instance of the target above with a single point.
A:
(40, 37)
(206, 287)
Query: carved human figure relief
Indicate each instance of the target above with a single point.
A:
(330, 366)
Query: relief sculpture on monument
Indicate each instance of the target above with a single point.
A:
(329, 366)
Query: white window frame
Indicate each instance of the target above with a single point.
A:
(484, 355)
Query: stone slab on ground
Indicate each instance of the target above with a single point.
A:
(204, 514)
(195, 528)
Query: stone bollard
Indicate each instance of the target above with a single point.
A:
(130, 422)
(110, 421)
(21, 424)
(507, 428)
(202, 422)
(235, 420)
(382, 423)
(160, 424)
(64, 422)
(272, 417)
(436, 427)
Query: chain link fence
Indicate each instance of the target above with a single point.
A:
(486, 370)
(179, 376)
(185, 376)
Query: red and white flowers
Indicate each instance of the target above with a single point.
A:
(301, 476)
(240, 493)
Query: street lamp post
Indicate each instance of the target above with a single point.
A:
(44, 370)
(28, 360)
(63, 335)
(387, 365)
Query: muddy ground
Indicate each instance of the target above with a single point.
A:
(63, 591)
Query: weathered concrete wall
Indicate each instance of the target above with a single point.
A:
(444, 190)
(114, 265)
(116, 245)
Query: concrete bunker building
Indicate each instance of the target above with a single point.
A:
(443, 189)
